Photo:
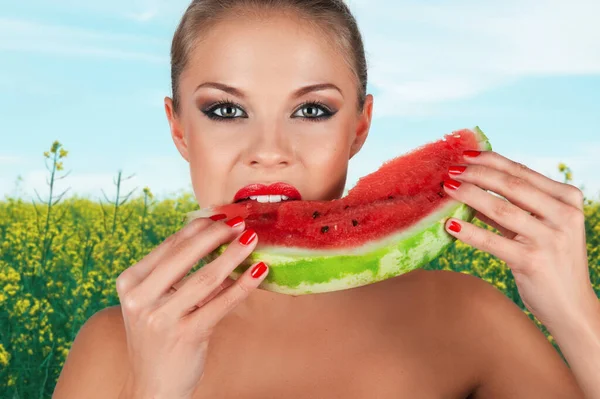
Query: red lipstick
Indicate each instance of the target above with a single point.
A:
(274, 189)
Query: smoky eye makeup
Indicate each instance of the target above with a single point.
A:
(228, 110)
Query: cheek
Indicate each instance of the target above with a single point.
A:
(327, 163)
(208, 173)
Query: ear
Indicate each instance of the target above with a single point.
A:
(362, 129)
(177, 132)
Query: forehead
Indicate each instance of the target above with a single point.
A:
(275, 50)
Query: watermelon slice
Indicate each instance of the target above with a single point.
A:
(390, 223)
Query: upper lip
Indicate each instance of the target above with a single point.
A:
(279, 188)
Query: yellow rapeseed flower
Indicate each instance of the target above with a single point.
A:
(569, 176)
(22, 305)
(64, 351)
(34, 308)
(55, 146)
(4, 356)
(10, 289)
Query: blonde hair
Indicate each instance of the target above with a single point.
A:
(331, 18)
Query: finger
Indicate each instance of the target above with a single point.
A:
(175, 287)
(133, 275)
(181, 258)
(564, 193)
(517, 190)
(180, 283)
(501, 211)
(503, 230)
(228, 282)
(503, 248)
(212, 312)
(204, 281)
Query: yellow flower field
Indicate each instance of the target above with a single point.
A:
(59, 262)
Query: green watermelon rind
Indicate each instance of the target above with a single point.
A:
(299, 271)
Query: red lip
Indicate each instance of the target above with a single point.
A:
(274, 189)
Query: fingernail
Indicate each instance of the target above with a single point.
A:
(236, 221)
(258, 270)
(451, 184)
(455, 227)
(471, 153)
(218, 217)
(456, 169)
(248, 236)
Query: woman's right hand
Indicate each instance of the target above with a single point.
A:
(168, 329)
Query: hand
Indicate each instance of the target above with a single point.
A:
(542, 231)
(168, 329)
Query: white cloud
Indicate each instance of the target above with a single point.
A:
(419, 54)
(583, 161)
(163, 174)
(30, 36)
(11, 160)
(422, 54)
(141, 11)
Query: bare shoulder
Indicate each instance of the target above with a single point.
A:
(513, 357)
(96, 365)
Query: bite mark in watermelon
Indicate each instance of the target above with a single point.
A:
(389, 223)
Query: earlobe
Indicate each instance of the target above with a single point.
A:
(177, 133)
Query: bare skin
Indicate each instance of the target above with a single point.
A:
(425, 334)
(420, 335)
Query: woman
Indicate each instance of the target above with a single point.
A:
(238, 116)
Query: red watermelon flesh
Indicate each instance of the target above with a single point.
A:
(400, 193)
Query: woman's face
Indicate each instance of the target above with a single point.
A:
(268, 136)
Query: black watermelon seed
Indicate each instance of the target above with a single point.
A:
(324, 229)
(354, 222)
(316, 215)
(440, 194)
(391, 197)
(347, 206)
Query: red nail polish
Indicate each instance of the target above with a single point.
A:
(258, 270)
(236, 221)
(471, 153)
(218, 217)
(248, 236)
(451, 184)
(455, 227)
(456, 169)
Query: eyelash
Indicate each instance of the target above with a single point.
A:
(219, 104)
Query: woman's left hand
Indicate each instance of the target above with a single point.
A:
(543, 232)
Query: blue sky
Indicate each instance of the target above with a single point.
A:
(93, 76)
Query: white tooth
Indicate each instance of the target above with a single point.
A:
(262, 198)
(284, 198)
(253, 197)
(274, 198)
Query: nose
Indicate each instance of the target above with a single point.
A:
(270, 149)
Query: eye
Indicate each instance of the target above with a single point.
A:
(228, 109)
(228, 112)
(318, 106)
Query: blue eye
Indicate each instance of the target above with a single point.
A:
(230, 107)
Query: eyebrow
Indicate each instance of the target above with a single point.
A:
(298, 93)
